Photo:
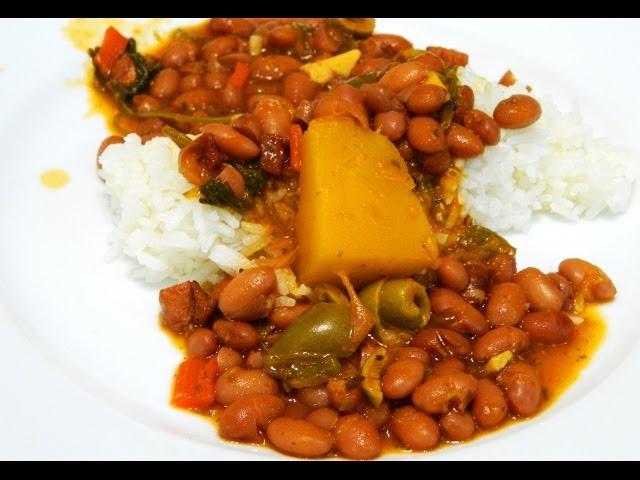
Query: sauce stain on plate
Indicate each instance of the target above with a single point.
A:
(54, 179)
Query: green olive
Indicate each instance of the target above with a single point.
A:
(400, 302)
(309, 351)
(359, 27)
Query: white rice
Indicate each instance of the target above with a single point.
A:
(170, 236)
(555, 166)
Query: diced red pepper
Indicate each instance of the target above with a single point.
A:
(295, 146)
(194, 384)
(240, 75)
(114, 44)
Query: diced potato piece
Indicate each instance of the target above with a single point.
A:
(357, 212)
(324, 70)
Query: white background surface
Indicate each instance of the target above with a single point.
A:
(85, 370)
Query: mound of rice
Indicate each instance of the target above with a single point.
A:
(170, 236)
(555, 166)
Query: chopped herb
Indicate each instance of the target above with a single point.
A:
(219, 193)
(254, 178)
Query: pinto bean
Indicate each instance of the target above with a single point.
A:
(401, 378)
(145, 103)
(282, 36)
(379, 416)
(246, 297)
(463, 142)
(507, 304)
(165, 84)
(380, 99)
(332, 106)
(357, 438)
(414, 353)
(542, 293)
(391, 124)
(254, 359)
(232, 177)
(436, 163)
(323, 417)
(457, 426)
(232, 142)
(502, 268)
(426, 99)
(314, 397)
(273, 67)
(296, 409)
(298, 86)
(370, 65)
(499, 340)
(426, 135)
(431, 61)
(451, 57)
(453, 310)
(238, 335)
(201, 342)
(588, 277)
(522, 384)
(326, 39)
(517, 111)
(490, 405)
(220, 46)
(247, 417)
(567, 288)
(237, 383)
(197, 99)
(282, 317)
(447, 365)
(452, 274)
(381, 45)
(232, 26)
(178, 53)
(548, 327)
(274, 116)
(442, 342)
(482, 125)
(465, 100)
(414, 429)
(439, 393)
(227, 358)
(404, 75)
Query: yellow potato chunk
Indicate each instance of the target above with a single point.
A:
(357, 212)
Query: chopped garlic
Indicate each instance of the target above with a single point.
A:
(284, 301)
(255, 45)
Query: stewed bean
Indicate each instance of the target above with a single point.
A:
(178, 53)
(220, 46)
(482, 125)
(500, 340)
(401, 378)
(541, 291)
(380, 45)
(357, 438)
(502, 268)
(465, 100)
(507, 304)
(299, 437)
(426, 135)
(426, 99)
(379, 98)
(254, 360)
(232, 26)
(442, 342)
(247, 417)
(236, 383)
(273, 67)
(274, 116)
(451, 57)
(332, 106)
(431, 61)
(392, 124)
(314, 397)
(246, 297)
(517, 111)
(452, 274)
(201, 342)
(282, 317)
(457, 426)
(191, 82)
(414, 353)
(379, 416)
(448, 365)
(567, 288)
(215, 80)
(522, 385)
(436, 163)
(227, 358)
(403, 75)
(370, 65)
(233, 178)
(456, 313)
(165, 84)
(548, 327)
(197, 99)
(296, 409)
(414, 429)
(326, 39)
(441, 392)
(298, 86)
(586, 276)
(282, 36)
(145, 103)
(238, 335)
(490, 405)
(324, 417)
(463, 142)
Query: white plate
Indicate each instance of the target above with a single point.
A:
(85, 369)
